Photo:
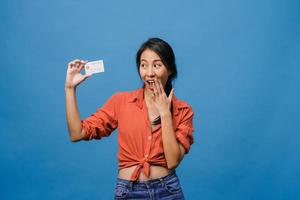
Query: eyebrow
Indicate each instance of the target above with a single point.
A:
(153, 60)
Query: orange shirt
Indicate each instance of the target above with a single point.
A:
(138, 144)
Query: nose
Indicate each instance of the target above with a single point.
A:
(150, 72)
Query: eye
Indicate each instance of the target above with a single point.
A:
(157, 65)
(142, 65)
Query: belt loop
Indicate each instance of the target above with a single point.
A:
(131, 185)
(162, 182)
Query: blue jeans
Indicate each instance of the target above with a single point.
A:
(165, 188)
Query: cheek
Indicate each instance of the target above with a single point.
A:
(164, 75)
(142, 74)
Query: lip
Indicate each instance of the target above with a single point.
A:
(149, 85)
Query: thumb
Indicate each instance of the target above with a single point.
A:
(86, 76)
(171, 95)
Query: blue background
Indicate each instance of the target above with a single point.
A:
(238, 64)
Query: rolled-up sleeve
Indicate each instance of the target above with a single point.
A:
(185, 129)
(104, 121)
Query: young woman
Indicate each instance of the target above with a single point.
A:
(155, 129)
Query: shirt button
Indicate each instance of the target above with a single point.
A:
(146, 156)
(149, 137)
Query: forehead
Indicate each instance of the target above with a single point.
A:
(149, 55)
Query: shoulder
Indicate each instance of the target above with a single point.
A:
(181, 109)
(180, 104)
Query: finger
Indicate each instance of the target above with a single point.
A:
(86, 76)
(71, 65)
(156, 92)
(78, 63)
(83, 61)
(153, 96)
(156, 84)
(161, 88)
(153, 93)
(73, 62)
(171, 95)
(82, 65)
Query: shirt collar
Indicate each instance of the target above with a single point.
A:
(137, 97)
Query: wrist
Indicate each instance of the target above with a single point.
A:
(166, 113)
(70, 88)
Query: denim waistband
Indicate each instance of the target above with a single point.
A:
(148, 183)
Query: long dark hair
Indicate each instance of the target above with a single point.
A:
(166, 54)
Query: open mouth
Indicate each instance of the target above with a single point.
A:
(150, 84)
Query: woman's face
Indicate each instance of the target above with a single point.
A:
(152, 68)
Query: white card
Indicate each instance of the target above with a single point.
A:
(94, 67)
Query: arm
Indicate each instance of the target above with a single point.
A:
(73, 79)
(173, 150)
(76, 132)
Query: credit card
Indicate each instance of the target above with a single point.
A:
(94, 67)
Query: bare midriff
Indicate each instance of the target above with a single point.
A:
(155, 172)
